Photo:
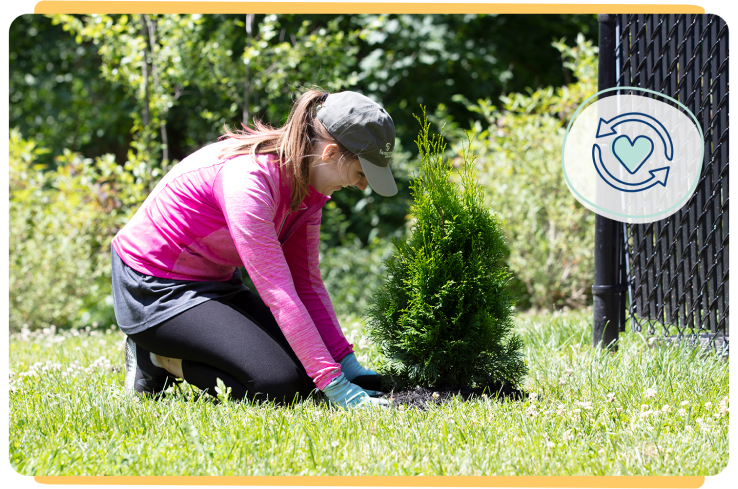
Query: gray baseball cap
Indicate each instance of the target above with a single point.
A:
(365, 129)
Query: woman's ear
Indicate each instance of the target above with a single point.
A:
(330, 151)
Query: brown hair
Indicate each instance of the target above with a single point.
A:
(293, 143)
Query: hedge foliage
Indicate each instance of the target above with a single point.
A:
(61, 223)
(550, 234)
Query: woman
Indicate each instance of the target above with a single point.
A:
(252, 199)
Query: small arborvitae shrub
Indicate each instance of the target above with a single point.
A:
(444, 315)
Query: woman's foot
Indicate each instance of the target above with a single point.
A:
(142, 376)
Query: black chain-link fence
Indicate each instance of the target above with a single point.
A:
(676, 269)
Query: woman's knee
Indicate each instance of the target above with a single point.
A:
(283, 385)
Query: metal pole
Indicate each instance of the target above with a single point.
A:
(606, 289)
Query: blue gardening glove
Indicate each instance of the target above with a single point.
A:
(343, 393)
(352, 369)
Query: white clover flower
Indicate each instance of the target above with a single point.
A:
(585, 404)
(569, 372)
(562, 381)
(650, 393)
(533, 396)
(435, 395)
(684, 403)
(723, 406)
(101, 342)
(665, 408)
(531, 411)
(576, 411)
(708, 405)
(610, 397)
(644, 407)
(550, 444)
(334, 444)
(646, 413)
(682, 412)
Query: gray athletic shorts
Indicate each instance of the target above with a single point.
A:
(142, 301)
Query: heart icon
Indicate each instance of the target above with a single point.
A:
(632, 154)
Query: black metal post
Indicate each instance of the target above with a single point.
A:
(606, 289)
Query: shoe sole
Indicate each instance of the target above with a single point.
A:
(131, 365)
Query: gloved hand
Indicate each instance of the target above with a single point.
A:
(363, 377)
(343, 393)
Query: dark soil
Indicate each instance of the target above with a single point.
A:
(423, 397)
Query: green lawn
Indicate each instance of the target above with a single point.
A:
(640, 411)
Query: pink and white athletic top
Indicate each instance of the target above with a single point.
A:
(208, 216)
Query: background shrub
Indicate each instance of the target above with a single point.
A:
(61, 225)
(550, 234)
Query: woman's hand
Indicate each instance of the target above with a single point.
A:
(363, 377)
(343, 393)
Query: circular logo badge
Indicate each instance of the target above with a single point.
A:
(630, 157)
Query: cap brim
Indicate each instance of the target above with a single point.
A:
(380, 179)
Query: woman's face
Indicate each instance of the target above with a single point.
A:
(327, 174)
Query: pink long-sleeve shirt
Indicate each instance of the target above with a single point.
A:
(208, 216)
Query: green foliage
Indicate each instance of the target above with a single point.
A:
(551, 235)
(353, 272)
(61, 224)
(444, 315)
(57, 96)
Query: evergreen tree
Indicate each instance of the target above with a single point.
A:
(444, 316)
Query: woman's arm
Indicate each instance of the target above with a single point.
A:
(243, 192)
(301, 252)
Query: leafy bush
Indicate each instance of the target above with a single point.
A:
(61, 225)
(443, 315)
(551, 235)
(353, 272)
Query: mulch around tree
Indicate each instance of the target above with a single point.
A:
(422, 397)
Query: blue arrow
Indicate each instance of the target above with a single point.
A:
(607, 128)
(660, 174)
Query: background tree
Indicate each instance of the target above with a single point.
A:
(551, 235)
(151, 89)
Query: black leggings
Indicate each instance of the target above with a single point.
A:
(236, 340)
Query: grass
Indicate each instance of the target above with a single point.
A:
(640, 411)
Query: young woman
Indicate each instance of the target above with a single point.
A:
(253, 199)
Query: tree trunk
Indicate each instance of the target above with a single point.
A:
(146, 109)
(162, 121)
(247, 81)
(144, 66)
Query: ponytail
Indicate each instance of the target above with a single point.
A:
(294, 143)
